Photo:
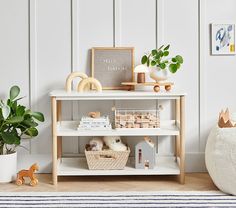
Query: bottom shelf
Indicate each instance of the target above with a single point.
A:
(78, 167)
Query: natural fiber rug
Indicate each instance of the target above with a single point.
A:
(117, 199)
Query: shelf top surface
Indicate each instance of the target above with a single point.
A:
(115, 94)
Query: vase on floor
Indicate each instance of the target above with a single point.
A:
(8, 164)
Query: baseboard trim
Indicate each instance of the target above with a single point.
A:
(195, 162)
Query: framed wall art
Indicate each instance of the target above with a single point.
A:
(223, 39)
(113, 65)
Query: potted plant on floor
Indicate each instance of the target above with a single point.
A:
(16, 121)
(161, 64)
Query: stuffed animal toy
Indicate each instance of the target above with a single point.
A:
(96, 144)
(114, 143)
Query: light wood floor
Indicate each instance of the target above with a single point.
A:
(194, 182)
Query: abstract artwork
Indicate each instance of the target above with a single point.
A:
(223, 39)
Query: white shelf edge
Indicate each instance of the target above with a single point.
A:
(69, 128)
(78, 167)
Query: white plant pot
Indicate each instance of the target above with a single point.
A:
(159, 74)
(8, 164)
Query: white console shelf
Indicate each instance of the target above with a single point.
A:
(76, 166)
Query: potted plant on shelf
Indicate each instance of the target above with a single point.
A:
(16, 121)
(161, 64)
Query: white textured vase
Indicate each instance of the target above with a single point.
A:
(8, 164)
(159, 74)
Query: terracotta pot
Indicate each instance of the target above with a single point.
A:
(159, 74)
(8, 164)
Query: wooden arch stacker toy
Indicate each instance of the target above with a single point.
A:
(84, 84)
(156, 85)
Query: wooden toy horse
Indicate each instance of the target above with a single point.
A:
(28, 173)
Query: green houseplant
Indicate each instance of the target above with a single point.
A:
(16, 121)
(160, 63)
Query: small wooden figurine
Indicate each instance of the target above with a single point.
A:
(28, 173)
(145, 154)
(95, 114)
(224, 120)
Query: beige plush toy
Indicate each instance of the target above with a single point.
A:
(114, 143)
(96, 144)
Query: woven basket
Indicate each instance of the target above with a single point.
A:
(107, 159)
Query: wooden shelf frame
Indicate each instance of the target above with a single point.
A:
(176, 128)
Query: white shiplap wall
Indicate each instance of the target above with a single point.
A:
(42, 41)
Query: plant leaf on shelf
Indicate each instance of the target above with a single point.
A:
(173, 60)
(153, 63)
(144, 59)
(173, 68)
(166, 53)
(162, 65)
(167, 47)
(154, 52)
(179, 59)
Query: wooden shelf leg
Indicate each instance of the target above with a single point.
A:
(182, 139)
(54, 140)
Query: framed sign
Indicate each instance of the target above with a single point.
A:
(223, 39)
(113, 65)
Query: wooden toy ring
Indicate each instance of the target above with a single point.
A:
(90, 80)
(71, 77)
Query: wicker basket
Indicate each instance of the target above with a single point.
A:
(107, 159)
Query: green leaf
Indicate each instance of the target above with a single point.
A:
(163, 65)
(15, 119)
(14, 92)
(29, 123)
(20, 110)
(6, 110)
(161, 53)
(179, 59)
(39, 116)
(167, 47)
(154, 52)
(173, 60)
(166, 53)
(153, 63)
(32, 132)
(178, 65)
(10, 138)
(144, 59)
(173, 68)
(158, 56)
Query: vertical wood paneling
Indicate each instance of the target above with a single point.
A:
(136, 27)
(52, 57)
(180, 29)
(14, 61)
(218, 71)
(94, 28)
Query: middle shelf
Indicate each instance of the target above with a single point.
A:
(69, 128)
